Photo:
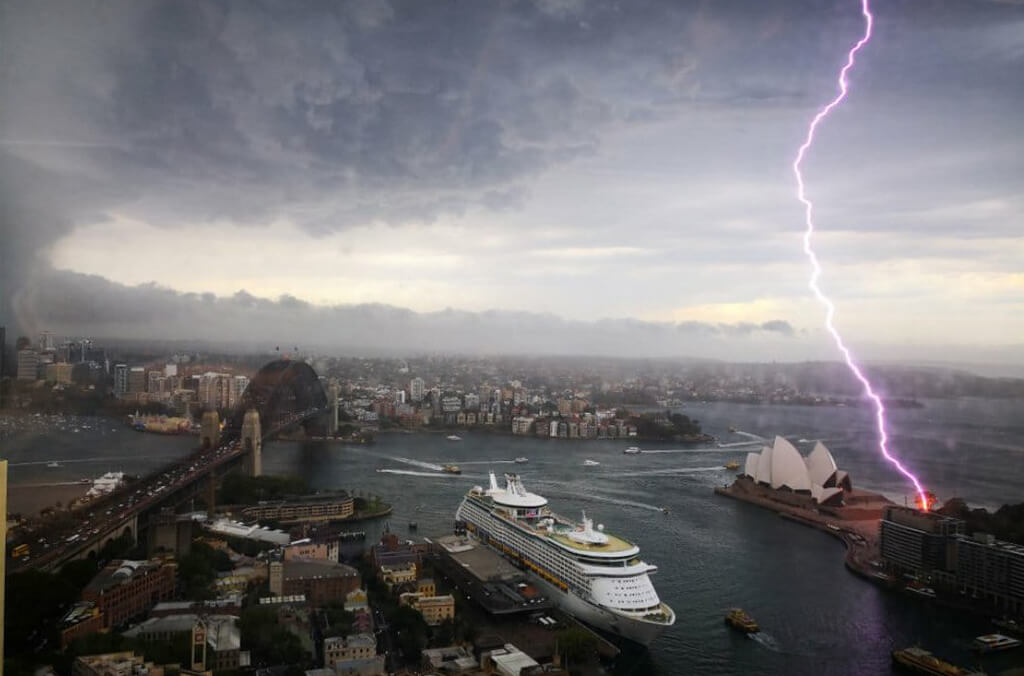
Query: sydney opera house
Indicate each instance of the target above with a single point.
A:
(780, 473)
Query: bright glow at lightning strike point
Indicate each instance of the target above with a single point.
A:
(830, 309)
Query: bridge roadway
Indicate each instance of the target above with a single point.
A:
(109, 517)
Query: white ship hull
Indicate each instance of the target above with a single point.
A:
(637, 631)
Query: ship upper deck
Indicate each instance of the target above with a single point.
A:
(559, 533)
(614, 545)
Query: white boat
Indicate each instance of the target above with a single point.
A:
(994, 642)
(591, 574)
(590, 463)
(632, 450)
(521, 460)
(453, 437)
(53, 463)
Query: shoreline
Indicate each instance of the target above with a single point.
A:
(859, 555)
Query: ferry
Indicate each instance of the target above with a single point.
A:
(590, 463)
(521, 460)
(737, 618)
(994, 642)
(632, 450)
(920, 661)
(451, 469)
(591, 574)
(453, 437)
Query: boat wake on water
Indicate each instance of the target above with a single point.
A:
(741, 444)
(419, 463)
(486, 462)
(718, 449)
(433, 475)
(766, 640)
(755, 437)
(671, 471)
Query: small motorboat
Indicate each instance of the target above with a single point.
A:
(413, 525)
(522, 460)
(453, 437)
(732, 464)
(451, 469)
(52, 464)
(590, 463)
(632, 450)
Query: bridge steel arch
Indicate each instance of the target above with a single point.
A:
(280, 388)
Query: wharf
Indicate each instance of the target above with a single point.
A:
(504, 600)
(489, 580)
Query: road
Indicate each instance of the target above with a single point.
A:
(50, 547)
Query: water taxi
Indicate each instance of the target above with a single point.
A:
(451, 469)
(737, 618)
(632, 450)
(522, 460)
(990, 643)
(732, 464)
(590, 463)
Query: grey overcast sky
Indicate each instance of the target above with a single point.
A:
(554, 176)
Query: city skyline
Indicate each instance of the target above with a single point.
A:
(551, 177)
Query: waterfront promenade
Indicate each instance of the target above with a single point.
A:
(860, 534)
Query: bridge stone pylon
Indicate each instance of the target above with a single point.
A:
(252, 443)
(209, 430)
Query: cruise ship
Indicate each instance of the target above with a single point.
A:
(593, 575)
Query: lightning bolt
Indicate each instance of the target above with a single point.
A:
(830, 309)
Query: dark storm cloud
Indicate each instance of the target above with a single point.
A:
(338, 114)
(68, 302)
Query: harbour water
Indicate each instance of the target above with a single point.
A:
(713, 553)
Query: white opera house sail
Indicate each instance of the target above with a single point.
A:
(780, 467)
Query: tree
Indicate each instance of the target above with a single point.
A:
(411, 630)
(443, 634)
(576, 645)
(269, 642)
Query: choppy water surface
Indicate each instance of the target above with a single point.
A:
(713, 553)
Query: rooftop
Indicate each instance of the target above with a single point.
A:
(79, 613)
(120, 572)
(304, 569)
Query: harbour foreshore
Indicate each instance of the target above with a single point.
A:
(861, 536)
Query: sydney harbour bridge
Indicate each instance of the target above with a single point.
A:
(283, 396)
